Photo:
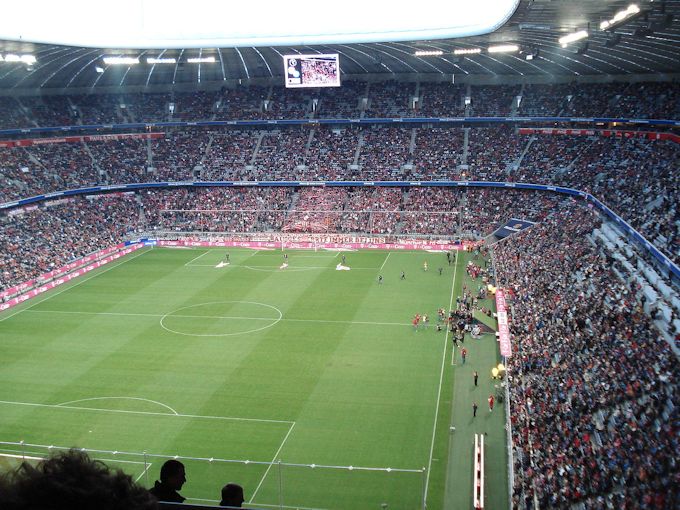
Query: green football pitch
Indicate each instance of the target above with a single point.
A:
(309, 373)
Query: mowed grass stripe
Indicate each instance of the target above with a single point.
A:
(367, 403)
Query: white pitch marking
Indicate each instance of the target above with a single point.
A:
(119, 398)
(146, 468)
(154, 315)
(145, 413)
(271, 463)
(276, 269)
(385, 261)
(273, 320)
(196, 258)
(439, 391)
(123, 461)
(20, 456)
(69, 287)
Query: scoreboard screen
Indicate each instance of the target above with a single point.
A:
(320, 70)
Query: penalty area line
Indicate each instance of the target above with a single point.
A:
(272, 462)
(196, 258)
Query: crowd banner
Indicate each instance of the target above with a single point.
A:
(62, 275)
(27, 142)
(309, 245)
(503, 327)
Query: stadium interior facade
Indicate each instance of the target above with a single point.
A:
(561, 159)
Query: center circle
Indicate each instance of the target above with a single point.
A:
(216, 317)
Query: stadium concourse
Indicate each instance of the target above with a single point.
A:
(594, 403)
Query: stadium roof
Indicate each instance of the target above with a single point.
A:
(648, 43)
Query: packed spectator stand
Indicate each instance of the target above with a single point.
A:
(594, 399)
(592, 385)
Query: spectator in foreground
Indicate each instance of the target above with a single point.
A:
(232, 495)
(172, 478)
(71, 481)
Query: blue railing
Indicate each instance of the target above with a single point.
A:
(332, 122)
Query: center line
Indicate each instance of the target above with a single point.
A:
(184, 316)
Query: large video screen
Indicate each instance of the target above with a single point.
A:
(321, 70)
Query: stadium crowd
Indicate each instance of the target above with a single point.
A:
(352, 100)
(594, 402)
(40, 239)
(617, 171)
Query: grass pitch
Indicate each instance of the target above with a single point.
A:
(168, 354)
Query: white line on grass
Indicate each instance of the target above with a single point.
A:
(184, 316)
(439, 391)
(271, 463)
(146, 468)
(289, 269)
(384, 261)
(20, 455)
(69, 287)
(146, 413)
(196, 258)
(119, 398)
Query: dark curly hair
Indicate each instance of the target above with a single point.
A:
(71, 480)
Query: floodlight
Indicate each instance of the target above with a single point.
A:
(121, 60)
(570, 38)
(99, 69)
(153, 60)
(26, 59)
(503, 48)
(620, 17)
(467, 51)
(431, 53)
(202, 60)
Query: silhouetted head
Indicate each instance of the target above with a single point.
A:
(232, 495)
(173, 475)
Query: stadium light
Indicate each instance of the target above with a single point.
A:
(121, 60)
(620, 17)
(573, 37)
(99, 70)
(153, 60)
(202, 60)
(503, 48)
(25, 59)
(431, 53)
(467, 51)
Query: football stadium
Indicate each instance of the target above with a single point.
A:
(340, 257)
